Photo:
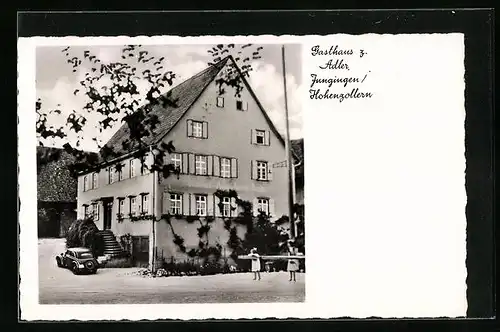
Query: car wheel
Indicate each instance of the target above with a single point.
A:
(75, 269)
(58, 260)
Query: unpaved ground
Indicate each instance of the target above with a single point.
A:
(60, 286)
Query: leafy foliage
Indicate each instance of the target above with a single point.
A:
(84, 233)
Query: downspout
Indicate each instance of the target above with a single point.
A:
(153, 220)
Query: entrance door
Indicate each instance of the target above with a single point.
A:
(107, 215)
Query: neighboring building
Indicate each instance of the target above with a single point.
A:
(56, 192)
(221, 142)
(298, 151)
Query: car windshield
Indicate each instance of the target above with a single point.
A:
(85, 254)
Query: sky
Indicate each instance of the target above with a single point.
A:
(56, 82)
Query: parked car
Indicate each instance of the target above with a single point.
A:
(78, 260)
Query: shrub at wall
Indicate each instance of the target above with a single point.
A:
(84, 233)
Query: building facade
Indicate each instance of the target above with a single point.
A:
(222, 142)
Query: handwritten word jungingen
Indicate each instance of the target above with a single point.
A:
(333, 50)
(334, 80)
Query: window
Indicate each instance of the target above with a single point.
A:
(197, 129)
(260, 137)
(132, 168)
(175, 204)
(144, 204)
(85, 211)
(119, 173)
(133, 205)
(263, 205)
(201, 205)
(121, 205)
(225, 167)
(201, 165)
(176, 159)
(261, 170)
(241, 105)
(95, 211)
(109, 175)
(85, 183)
(226, 206)
(220, 101)
(95, 180)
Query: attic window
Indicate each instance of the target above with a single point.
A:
(241, 105)
(220, 101)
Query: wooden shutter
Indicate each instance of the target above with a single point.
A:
(245, 106)
(205, 130)
(191, 164)
(192, 202)
(253, 169)
(210, 205)
(185, 204)
(272, 212)
(217, 211)
(269, 172)
(210, 165)
(234, 167)
(185, 163)
(253, 137)
(255, 207)
(189, 124)
(216, 165)
(166, 202)
(267, 137)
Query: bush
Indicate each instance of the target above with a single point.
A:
(118, 263)
(84, 233)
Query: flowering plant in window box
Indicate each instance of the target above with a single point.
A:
(141, 216)
(120, 217)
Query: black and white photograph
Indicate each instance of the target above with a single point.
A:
(164, 177)
(170, 174)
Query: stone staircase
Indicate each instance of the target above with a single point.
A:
(111, 247)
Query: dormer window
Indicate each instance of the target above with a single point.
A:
(241, 105)
(220, 101)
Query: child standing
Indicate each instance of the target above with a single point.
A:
(293, 264)
(255, 263)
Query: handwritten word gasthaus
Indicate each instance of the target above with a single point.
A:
(333, 50)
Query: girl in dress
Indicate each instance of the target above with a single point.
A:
(293, 264)
(255, 263)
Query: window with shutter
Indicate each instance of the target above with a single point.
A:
(176, 159)
(145, 203)
(263, 205)
(95, 180)
(262, 171)
(175, 204)
(225, 167)
(220, 101)
(132, 168)
(85, 183)
(201, 205)
(226, 206)
(201, 165)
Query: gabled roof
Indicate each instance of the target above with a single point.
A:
(184, 96)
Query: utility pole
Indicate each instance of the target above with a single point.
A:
(288, 148)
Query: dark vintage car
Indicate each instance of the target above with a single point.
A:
(78, 260)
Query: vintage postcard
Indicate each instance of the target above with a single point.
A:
(176, 174)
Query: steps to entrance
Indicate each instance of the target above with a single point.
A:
(111, 247)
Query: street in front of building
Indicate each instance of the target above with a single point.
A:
(124, 286)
